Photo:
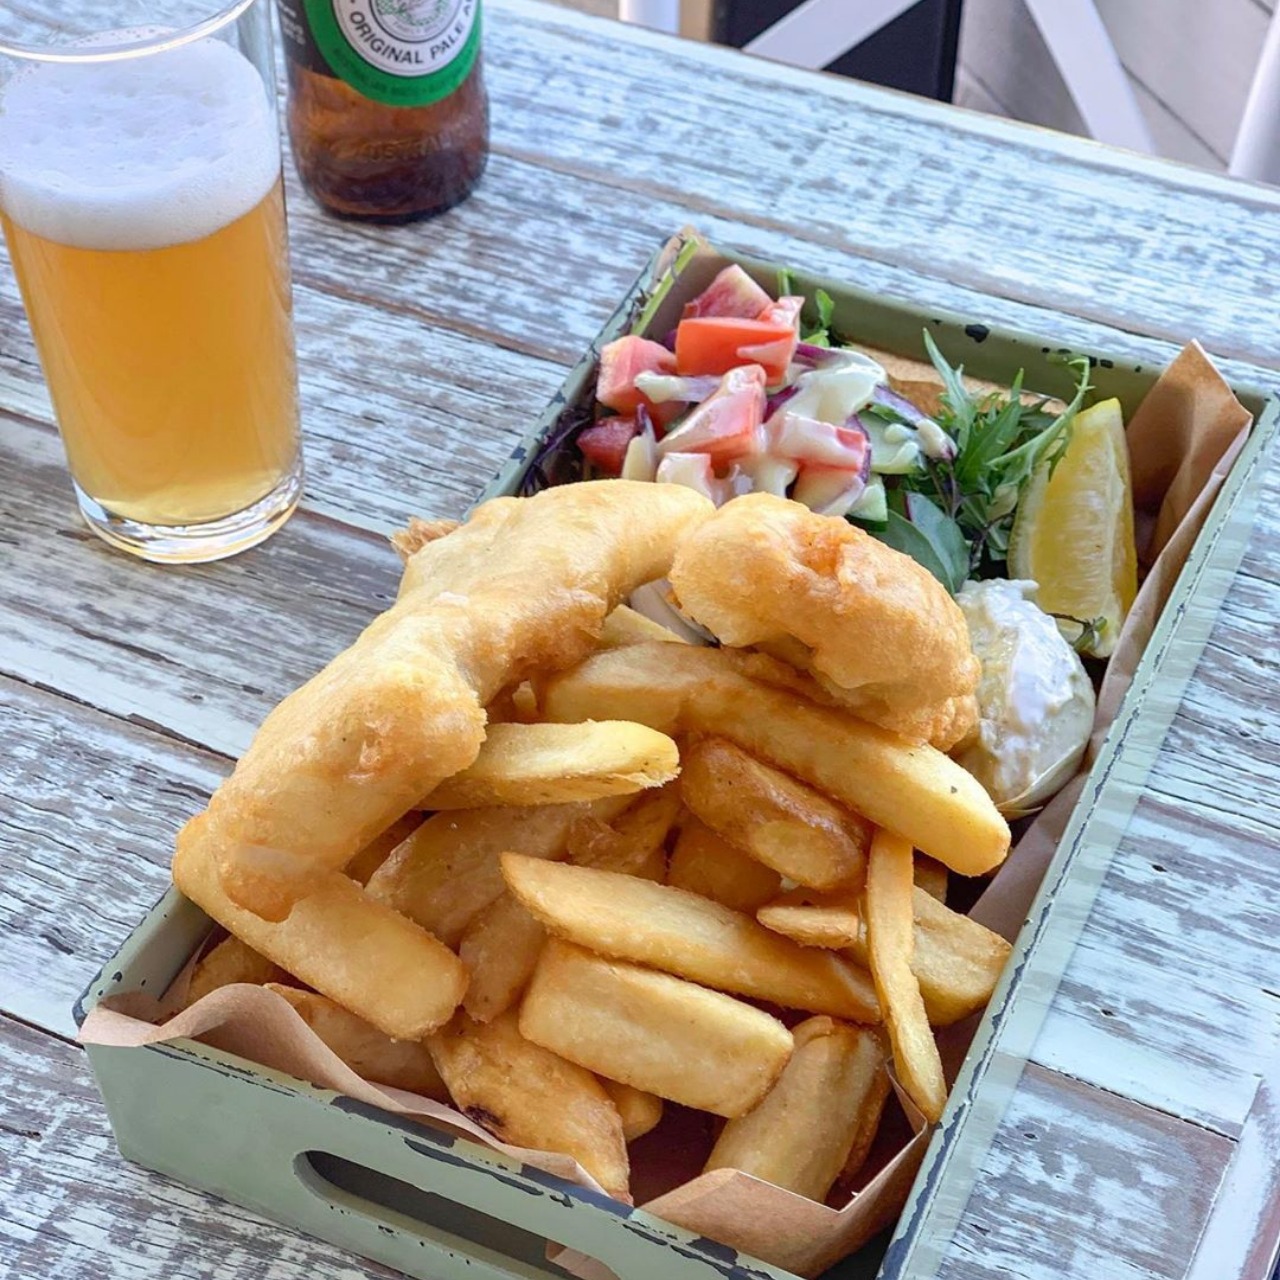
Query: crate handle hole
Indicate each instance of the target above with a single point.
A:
(394, 1203)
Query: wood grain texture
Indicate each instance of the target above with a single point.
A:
(71, 1208)
(426, 350)
(1148, 1182)
(1160, 253)
(91, 807)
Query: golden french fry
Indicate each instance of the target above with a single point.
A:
(634, 844)
(692, 937)
(801, 1135)
(889, 947)
(403, 1064)
(378, 850)
(704, 862)
(640, 1111)
(231, 961)
(337, 939)
(956, 960)
(448, 870)
(625, 626)
(869, 1121)
(528, 1096)
(814, 919)
(500, 949)
(931, 876)
(778, 821)
(539, 764)
(915, 791)
(654, 1032)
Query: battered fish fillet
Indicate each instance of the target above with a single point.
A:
(524, 585)
(874, 628)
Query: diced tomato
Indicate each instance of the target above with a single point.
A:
(813, 443)
(829, 491)
(731, 293)
(727, 424)
(716, 344)
(620, 361)
(694, 471)
(605, 444)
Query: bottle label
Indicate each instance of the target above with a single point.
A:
(405, 53)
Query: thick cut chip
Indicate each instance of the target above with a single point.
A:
(626, 626)
(524, 585)
(889, 947)
(403, 1064)
(778, 821)
(693, 937)
(337, 939)
(378, 850)
(537, 764)
(801, 1135)
(634, 843)
(654, 1032)
(814, 919)
(500, 949)
(530, 1097)
(231, 961)
(915, 791)
(704, 862)
(447, 870)
(931, 876)
(956, 960)
(640, 1111)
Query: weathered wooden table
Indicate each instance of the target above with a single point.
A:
(1141, 1141)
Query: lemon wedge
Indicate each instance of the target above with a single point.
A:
(1073, 532)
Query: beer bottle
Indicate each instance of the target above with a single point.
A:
(388, 114)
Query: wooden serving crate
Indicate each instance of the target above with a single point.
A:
(435, 1205)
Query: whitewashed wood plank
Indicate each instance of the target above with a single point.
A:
(538, 258)
(91, 807)
(72, 1209)
(1079, 1183)
(1150, 247)
(203, 651)
(1169, 997)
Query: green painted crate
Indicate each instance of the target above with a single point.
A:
(435, 1205)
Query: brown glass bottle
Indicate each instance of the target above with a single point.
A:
(388, 114)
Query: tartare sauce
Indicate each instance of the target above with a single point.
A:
(1035, 700)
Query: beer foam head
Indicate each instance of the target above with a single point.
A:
(139, 153)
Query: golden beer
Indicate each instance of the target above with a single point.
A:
(157, 288)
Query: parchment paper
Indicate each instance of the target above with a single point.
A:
(1182, 441)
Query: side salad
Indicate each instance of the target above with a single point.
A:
(743, 395)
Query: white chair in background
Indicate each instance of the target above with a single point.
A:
(1256, 153)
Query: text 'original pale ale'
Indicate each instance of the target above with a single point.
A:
(142, 205)
(388, 114)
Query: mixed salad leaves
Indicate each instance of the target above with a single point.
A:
(740, 397)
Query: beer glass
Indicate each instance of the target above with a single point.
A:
(143, 209)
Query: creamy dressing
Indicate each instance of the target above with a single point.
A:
(1035, 699)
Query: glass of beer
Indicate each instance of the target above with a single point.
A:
(142, 205)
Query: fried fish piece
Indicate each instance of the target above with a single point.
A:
(878, 631)
(524, 585)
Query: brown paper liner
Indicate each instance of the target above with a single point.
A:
(1182, 442)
